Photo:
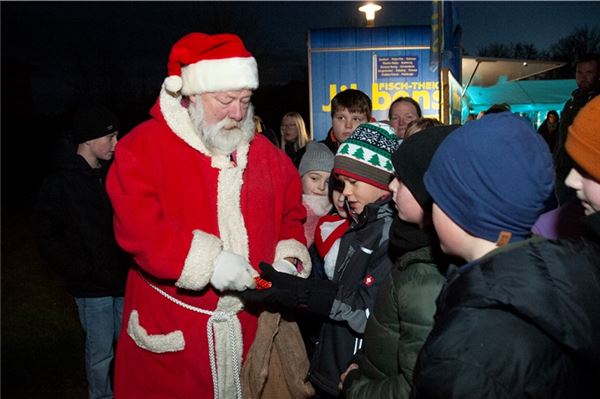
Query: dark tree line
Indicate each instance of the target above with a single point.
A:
(582, 40)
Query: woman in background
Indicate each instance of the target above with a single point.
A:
(293, 133)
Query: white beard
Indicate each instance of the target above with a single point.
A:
(225, 136)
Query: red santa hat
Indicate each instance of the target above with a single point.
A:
(200, 63)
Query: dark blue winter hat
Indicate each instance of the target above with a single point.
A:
(492, 177)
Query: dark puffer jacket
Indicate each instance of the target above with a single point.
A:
(520, 323)
(73, 221)
(361, 268)
(401, 320)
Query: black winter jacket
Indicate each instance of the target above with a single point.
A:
(519, 323)
(361, 268)
(562, 160)
(73, 221)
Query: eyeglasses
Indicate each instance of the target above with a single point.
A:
(287, 126)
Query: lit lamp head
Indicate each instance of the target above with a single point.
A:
(370, 9)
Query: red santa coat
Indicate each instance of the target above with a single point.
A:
(176, 207)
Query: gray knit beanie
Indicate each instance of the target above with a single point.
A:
(317, 157)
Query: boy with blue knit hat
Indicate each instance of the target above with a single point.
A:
(363, 165)
(521, 317)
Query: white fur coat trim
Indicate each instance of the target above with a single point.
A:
(157, 343)
(199, 263)
(294, 249)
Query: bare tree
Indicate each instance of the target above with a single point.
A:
(512, 50)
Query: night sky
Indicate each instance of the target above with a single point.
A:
(56, 53)
(67, 42)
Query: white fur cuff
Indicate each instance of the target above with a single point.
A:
(294, 249)
(157, 343)
(199, 264)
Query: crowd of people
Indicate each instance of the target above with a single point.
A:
(401, 258)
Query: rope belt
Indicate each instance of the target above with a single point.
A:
(216, 316)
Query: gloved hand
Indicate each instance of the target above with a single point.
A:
(232, 272)
(291, 292)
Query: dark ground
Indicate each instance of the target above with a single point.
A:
(42, 342)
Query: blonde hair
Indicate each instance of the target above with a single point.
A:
(421, 124)
(303, 134)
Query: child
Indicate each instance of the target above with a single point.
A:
(349, 109)
(330, 229)
(74, 229)
(405, 304)
(315, 169)
(521, 319)
(363, 164)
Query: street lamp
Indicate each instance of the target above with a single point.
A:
(370, 9)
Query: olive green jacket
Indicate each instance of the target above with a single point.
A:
(395, 332)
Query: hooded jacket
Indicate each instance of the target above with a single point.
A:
(523, 322)
(74, 229)
(361, 268)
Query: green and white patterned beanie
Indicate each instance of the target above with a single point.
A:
(366, 154)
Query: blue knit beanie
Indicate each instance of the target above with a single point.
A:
(492, 176)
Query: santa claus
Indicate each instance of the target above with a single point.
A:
(199, 202)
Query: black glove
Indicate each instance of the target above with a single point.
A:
(293, 292)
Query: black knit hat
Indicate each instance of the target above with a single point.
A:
(93, 121)
(412, 159)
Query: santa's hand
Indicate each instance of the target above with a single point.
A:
(285, 266)
(232, 272)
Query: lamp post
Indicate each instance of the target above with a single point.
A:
(370, 9)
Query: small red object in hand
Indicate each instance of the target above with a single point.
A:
(261, 283)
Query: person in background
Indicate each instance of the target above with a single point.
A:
(587, 77)
(315, 169)
(294, 135)
(519, 305)
(549, 129)
(349, 109)
(403, 312)
(421, 124)
(261, 128)
(403, 110)
(363, 164)
(200, 200)
(74, 229)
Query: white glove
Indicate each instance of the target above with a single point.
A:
(284, 266)
(232, 272)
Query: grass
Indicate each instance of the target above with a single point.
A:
(42, 341)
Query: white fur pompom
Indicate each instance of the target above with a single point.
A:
(173, 83)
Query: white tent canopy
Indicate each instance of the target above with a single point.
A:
(483, 71)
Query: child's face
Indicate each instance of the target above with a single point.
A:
(450, 234)
(345, 122)
(315, 182)
(588, 190)
(359, 194)
(103, 147)
(407, 206)
(338, 201)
